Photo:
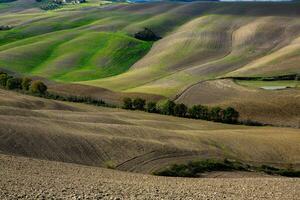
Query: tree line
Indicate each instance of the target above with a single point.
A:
(38, 88)
(22, 83)
(217, 114)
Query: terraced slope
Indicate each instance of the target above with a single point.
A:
(93, 45)
(131, 141)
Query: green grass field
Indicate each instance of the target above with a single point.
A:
(93, 44)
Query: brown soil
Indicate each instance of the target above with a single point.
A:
(24, 178)
(280, 108)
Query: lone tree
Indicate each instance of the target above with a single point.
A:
(38, 87)
(127, 103)
(14, 83)
(26, 82)
(139, 104)
(151, 107)
(168, 108)
(146, 35)
(180, 110)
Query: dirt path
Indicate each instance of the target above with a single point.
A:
(25, 178)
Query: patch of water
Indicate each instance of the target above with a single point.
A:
(274, 87)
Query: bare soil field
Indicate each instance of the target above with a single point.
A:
(280, 108)
(25, 178)
(131, 140)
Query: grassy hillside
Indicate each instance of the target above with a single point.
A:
(72, 56)
(93, 45)
(129, 140)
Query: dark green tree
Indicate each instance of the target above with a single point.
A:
(14, 83)
(127, 103)
(38, 87)
(180, 110)
(167, 108)
(147, 35)
(3, 79)
(26, 82)
(199, 112)
(151, 107)
(139, 104)
(230, 115)
(215, 114)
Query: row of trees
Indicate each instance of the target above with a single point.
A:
(217, 114)
(24, 83)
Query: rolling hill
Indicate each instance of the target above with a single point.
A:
(211, 53)
(132, 140)
(93, 45)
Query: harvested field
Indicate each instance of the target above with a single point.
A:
(269, 107)
(25, 178)
(132, 140)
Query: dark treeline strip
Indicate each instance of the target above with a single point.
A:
(216, 114)
(56, 4)
(290, 77)
(39, 89)
(78, 99)
(6, 1)
(195, 168)
(5, 27)
(9, 82)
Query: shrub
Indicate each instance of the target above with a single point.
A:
(3, 79)
(127, 103)
(26, 82)
(249, 122)
(276, 171)
(14, 83)
(151, 107)
(198, 112)
(110, 164)
(193, 168)
(5, 27)
(167, 108)
(146, 35)
(38, 87)
(139, 104)
(180, 110)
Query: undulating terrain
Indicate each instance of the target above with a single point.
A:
(136, 142)
(132, 140)
(209, 53)
(200, 41)
(93, 44)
